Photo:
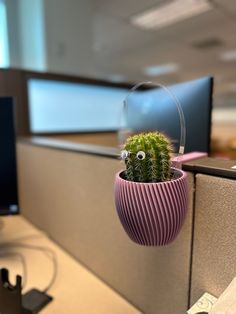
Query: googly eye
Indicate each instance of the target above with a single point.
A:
(124, 154)
(141, 155)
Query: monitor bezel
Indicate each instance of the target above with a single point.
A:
(5, 209)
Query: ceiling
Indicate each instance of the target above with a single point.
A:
(122, 51)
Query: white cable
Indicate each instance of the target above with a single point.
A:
(47, 250)
(23, 262)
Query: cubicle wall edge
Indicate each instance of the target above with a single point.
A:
(14, 85)
(214, 245)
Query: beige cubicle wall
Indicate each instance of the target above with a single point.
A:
(70, 196)
(214, 249)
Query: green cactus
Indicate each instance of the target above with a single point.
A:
(147, 157)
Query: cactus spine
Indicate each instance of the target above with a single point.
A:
(147, 157)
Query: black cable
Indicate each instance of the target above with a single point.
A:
(47, 250)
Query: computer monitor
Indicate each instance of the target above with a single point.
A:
(60, 106)
(153, 109)
(8, 174)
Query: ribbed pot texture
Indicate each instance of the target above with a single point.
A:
(152, 214)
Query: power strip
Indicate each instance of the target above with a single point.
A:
(34, 301)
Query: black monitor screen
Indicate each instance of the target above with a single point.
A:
(8, 177)
(154, 109)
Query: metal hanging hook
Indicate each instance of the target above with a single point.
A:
(176, 102)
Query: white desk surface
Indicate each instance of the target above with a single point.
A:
(75, 291)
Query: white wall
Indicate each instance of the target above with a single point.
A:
(4, 56)
(13, 33)
(51, 35)
(32, 34)
(69, 36)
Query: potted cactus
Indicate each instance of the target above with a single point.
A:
(150, 195)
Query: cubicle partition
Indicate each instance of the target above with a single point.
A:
(67, 190)
(214, 245)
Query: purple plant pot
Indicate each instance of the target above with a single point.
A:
(152, 214)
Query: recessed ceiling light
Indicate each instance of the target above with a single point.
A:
(228, 55)
(161, 69)
(167, 14)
